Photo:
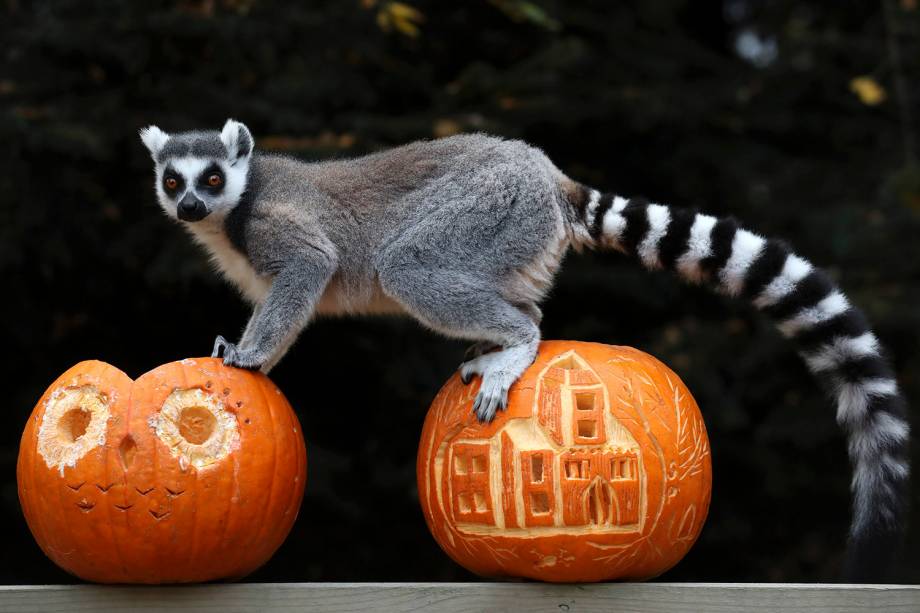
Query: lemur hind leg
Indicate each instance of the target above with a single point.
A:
(482, 347)
(464, 305)
(479, 348)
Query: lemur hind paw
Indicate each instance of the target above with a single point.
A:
(493, 393)
(492, 397)
(234, 356)
(499, 371)
(477, 365)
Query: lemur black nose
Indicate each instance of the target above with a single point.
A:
(191, 208)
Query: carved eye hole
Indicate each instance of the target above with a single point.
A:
(74, 423)
(171, 183)
(215, 180)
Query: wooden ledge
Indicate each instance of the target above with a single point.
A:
(335, 597)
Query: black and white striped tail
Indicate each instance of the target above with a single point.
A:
(832, 336)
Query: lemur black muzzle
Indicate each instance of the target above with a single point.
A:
(191, 208)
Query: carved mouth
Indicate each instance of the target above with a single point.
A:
(158, 515)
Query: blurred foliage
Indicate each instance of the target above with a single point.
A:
(735, 107)
(868, 90)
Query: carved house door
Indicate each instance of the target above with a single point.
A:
(598, 501)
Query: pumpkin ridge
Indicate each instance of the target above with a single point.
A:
(122, 525)
(271, 487)
(292, 432)
(228, 515)
(155, 444)
(191, 558)
(293, 503)
(108, 510)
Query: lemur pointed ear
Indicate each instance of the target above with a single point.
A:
(154, 139)
(237, 139)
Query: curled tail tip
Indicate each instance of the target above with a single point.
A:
(873, 554)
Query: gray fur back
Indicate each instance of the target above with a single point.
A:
(470, 202)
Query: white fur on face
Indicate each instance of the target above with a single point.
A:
(190, 169)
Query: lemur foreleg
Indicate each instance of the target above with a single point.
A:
(275, 323)
(248, 331)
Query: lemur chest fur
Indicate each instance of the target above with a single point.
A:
(335, 300)
(234, 265)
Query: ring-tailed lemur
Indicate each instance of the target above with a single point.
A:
(465, 234)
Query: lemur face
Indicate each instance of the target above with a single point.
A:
(200, 173)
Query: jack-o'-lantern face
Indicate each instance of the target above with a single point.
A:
(193, 472)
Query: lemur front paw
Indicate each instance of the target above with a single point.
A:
(493, 393)
(234, 356)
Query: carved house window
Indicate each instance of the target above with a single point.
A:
(577, 469)
(470, 483)
(588, 418)
(622, 468)
(537, 482)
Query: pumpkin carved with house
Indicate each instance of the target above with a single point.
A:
(599, 469)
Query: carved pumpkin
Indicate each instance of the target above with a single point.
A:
(193, 472)
(599, 469)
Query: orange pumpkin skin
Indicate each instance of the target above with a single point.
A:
(599, 469)
(193, 472)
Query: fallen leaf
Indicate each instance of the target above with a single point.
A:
(868, 90)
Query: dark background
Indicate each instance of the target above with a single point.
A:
(736, 107)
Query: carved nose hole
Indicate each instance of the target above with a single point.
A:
(196, 424)
(73, 424)
(126, 451)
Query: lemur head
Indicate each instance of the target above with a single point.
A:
(199, 173)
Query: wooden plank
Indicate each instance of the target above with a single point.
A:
(465, 597)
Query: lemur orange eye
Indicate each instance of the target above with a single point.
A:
(214, 180)
(171, 183)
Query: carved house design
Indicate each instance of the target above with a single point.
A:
(569, 467)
